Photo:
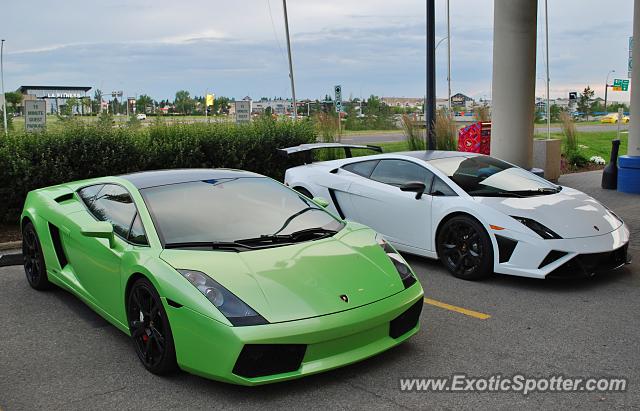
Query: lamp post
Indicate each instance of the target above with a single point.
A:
(430, 97)
(546, 37)
(448, 59)
(293, 87)
(606, 88)
(4, 100)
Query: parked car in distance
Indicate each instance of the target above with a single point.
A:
(612, 118)
(141, 116)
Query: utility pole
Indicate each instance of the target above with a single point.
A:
(546, 23)
(606, 88)
(293, 87)
(4, 99)
(430, 98)
(448, 58)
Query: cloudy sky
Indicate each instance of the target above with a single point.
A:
(237, 48)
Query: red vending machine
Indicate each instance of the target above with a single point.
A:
(475, 138)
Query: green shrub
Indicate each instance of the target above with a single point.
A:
(79, 151)
(576, 159)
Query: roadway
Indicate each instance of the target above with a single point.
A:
(58, 354)
(392, 136)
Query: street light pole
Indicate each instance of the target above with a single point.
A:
(546, 23)
(448, 58)
(606, 88)
(4, 98)
(293, 87)
(430, 97)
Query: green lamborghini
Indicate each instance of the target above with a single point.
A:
(226, 274)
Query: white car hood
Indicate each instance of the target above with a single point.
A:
(570, 213)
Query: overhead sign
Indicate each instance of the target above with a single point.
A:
(620, 85)
(35, 115)
(209, 100)
(63, 95)
(338, 92)
(243, 111)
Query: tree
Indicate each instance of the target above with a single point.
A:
(85, 102)
(97, 101)
(14, 98)
(613, 107)
(67, 109)
(554, 111)
(143, 103)
(596, 107)
(221, 105)
(584, 102)
(183, 102)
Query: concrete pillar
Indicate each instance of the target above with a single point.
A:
(514, 80)
(629, 165)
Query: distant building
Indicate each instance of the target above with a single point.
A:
(406, 102)
(461, 100)
(56, 96)
(278, 106)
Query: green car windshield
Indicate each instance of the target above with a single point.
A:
(253, 209)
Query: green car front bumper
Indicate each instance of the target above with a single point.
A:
(282, 351)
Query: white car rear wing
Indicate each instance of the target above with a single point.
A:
(307, 149)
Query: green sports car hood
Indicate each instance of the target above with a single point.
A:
(303, 280)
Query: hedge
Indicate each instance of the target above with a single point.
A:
(78, 151)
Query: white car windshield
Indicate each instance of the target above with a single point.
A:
(485, 176)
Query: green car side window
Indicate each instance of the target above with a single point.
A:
(88, 194)
(115, 205)
(136, 234)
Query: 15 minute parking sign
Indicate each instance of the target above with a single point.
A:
(35, 115)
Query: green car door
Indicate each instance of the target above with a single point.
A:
(97, 261)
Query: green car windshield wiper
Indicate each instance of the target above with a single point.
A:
(213, 245)
(314, 233)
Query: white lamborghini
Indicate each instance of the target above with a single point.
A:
(476, 213)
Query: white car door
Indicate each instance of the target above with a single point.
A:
(378, 202)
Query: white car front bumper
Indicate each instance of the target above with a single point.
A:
(538, 258)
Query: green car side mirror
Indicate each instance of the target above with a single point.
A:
(100, 229)
(321, 201)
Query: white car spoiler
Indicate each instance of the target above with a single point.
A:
(307, 149)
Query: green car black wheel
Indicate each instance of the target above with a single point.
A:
(150, 329)
(34, 264)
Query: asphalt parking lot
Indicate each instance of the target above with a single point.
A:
(55, 353)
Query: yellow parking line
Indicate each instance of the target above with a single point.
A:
(470, 313)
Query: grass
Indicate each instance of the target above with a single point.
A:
(589, 143)
(369, 132)
(597, 143)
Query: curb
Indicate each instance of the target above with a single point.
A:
(11, 245)
(12, 257)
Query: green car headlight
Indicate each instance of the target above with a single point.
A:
(236, 310)
(405, 273)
